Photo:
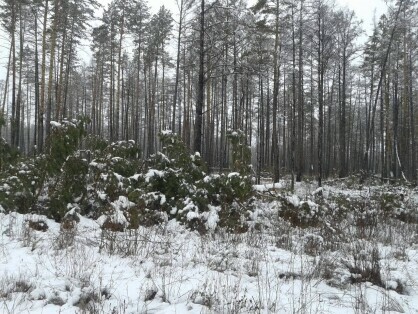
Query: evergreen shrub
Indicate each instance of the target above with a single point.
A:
(172, 184)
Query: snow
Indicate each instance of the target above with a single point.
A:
(116, 217)
(135, 176)
(233, 174)
(293, 199)
(166, 132)
(268, 187)
(55, 124)
(169, 269)
(192, 215)
(208, 179)
(195, 156)
(211, 217)
(97, 165)
(122, 203)
(191, 207)
(152, 173)
(5, 187)
(118, 177)
(102, 195)
(163, 199)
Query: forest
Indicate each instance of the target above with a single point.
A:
(228, 156)
(313, 95)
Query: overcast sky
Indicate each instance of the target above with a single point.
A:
(366, 10)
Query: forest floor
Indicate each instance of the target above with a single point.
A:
(338, 266)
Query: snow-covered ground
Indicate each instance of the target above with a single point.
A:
(275, 268)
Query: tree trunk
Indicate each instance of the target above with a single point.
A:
(51, 68)
(201, 84)
(301, 113)
(41, 110)
(176, 86)
(343, 145)
(276, 78)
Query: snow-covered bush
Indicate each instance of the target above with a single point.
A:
(240, 152)
(105, 185)
(46, 183)
(64, 141)
(233, 193)
(394, 205)
(301, 213)
(123, 157)
(21, 183)
(169, 186)
(360, 210)
(69, 187)
(109, 173)
(175, 185)
(172, 184)
(7, 154)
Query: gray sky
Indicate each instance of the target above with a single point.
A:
(365, 10)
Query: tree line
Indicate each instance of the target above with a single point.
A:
(292, 76)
